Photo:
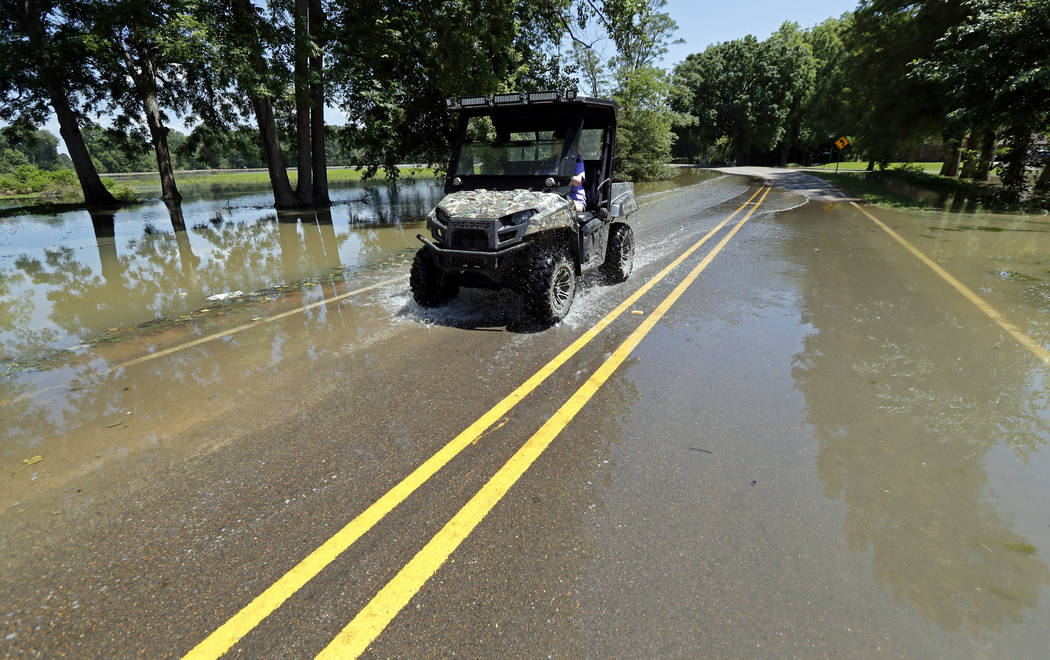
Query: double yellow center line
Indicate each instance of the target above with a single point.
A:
(371, 621)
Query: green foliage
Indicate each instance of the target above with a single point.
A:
(995, 62)
(643, 137)
(123, 192)
(31, 51)
(594, 79)
(34, 147)
(211, 147)
(826, 112)
(893, 103)
(10, 156)
(746, 91)
(392, 66)
(27, 178)
(641, 32)
(113, 150)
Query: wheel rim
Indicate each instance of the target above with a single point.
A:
(561, 287)
(627, 253)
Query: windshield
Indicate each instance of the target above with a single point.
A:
(525, 152)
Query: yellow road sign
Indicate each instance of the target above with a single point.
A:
(841, 143)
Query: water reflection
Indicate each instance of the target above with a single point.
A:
(906, 427)
(70, 277)
(953, 201)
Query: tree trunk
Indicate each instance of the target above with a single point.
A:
(283, 197)
(871, 165)
(319, 162)
(970, 160)
(144, 75)
(953, 150)
(1042, 184)
(304, 188)
(1016, 158)
(984, 162)
(95, 193)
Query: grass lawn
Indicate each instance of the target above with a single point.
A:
(235, 179)
(859, 165)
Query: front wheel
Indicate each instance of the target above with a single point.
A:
(619, 255)
(430, 286)
(551, 286)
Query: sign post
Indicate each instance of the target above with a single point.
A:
(841, 144)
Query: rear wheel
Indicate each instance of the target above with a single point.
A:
(551, 286)
(430, 286)
(619, 256)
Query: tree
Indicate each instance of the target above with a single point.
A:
(894, 103)
(826, 111)
(641, 33)
(644, 136)
(257, 51)
(41, 56)
(11, 156)
(791, 49)
(745, 91)
(115, 151)
(127, 40)
(594, 79)
(210, 147)
(244, 53)
(393, 65)
(996, 62)
(39, 148)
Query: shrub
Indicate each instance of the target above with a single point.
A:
(31, 179)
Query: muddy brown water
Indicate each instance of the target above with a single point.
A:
(73, 278)
(822, 448)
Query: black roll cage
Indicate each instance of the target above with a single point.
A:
(578, 113)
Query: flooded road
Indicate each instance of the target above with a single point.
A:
(819, 447)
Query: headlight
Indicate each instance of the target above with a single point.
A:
(441, 216)
(517, 218)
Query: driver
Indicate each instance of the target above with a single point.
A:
(576, 192)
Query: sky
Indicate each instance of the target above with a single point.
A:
(700, 24)
(705, 22)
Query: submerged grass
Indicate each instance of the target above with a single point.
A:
(1022, 547)
(908, 188)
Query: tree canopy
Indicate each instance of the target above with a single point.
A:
(252, 80)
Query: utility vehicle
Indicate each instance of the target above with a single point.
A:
(506, 220)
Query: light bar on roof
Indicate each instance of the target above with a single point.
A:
(540, 97)
(508, 98)
(450, 102)
(470, 101)
(570, 95)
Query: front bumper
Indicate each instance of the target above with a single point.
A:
(463, 261)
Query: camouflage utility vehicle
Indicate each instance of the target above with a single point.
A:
(506, 220)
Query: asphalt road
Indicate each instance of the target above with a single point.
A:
(801, 440)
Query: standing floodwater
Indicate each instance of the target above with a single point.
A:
(78, 276)
(71, 277)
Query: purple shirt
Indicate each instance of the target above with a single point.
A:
(576, 193)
